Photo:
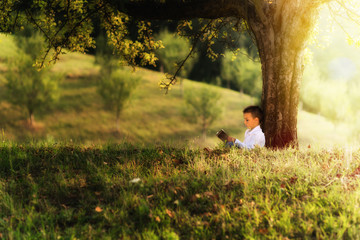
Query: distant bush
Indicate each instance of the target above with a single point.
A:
(116, 84)
(115, 88)
(203, 106)
(241, 73)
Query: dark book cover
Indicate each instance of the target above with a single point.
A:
(222, 135)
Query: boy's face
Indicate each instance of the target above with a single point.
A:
(250, 122)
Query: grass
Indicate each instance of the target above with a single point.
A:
(141, 192)
(7, 45)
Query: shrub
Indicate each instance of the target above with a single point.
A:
(115, 89)
(27, 86)
(203, 106)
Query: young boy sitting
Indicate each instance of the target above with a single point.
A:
(253, 135)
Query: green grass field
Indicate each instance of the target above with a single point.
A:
(52, 191)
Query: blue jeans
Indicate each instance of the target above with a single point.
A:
(229, 144)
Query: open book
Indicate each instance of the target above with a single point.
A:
(222, 135)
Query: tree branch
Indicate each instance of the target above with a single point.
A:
(178, 9)
(172, 78)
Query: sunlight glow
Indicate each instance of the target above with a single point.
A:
(331, 83)
(342, 68)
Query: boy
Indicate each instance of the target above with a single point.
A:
(253, 135)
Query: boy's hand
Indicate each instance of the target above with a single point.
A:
(230, 139)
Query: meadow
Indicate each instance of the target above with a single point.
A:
(53, 191)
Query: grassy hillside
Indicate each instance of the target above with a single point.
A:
(126, 192)
(150, 117)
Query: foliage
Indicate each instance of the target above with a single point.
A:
(70, 25)
(125, 191)
(27, 86)
(143, 48)
(116, 84)
(176, 50)
(203, 106)
(241, 73)
(209, 70)
(8, 46)
(115, 88)
(104, 55)
(209, 38)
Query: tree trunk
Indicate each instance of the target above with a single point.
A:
(204, 127)
(282, 74)
(281, 41)
(181, 87)
(31, 119)
(161, 67)
(117, 120)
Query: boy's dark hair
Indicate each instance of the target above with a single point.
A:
(255, 111)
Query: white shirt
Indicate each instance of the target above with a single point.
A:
(254, 137)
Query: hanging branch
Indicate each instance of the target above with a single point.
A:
(172, 78)
(51, 39)
(351, 15)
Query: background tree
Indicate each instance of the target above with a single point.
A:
(203, 107)
(115, 84)
(241, 73)
(105, 57)
(115, 88)
(27, 86)
(207, 69)
(175, 50)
